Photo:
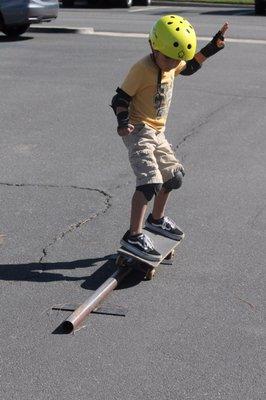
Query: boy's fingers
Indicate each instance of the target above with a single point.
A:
(220, 40)
(224, 28)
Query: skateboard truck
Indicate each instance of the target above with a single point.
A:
(123, 260)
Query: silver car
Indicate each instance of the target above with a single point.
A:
(17, 15)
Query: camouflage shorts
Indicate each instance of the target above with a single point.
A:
(151, 156)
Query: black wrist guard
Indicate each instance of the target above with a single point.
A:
(211, 48)
(123, 119)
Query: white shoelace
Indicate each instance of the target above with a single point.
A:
(168, 221)
(147, 243)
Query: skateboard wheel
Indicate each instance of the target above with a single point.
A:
(120, 261)
(150, 274)
(170, 255)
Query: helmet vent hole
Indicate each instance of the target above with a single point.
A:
(189, 46)
(177, 29)
(188, 31)
(172, 16)
(175, 44)
(169, 23)
(181, 22)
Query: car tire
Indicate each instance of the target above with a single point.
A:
(68, 3)
(93, 3)
(260, 7)
(142, 2)
(14, 31)
(124, 3)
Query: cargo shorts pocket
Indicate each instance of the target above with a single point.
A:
(144, 165)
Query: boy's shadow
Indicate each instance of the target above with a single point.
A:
(43, 272)
(6, 39)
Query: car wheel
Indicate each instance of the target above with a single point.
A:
(260, 7)
(14, 31)
(93, 3)
(68, 3)
(125, 3)
(142, 2)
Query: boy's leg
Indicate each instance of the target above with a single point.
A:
(172, 173)
(169, 167)
(159, 204)
(138, 210)
(141, 144)
(158, 222)
(134, 240)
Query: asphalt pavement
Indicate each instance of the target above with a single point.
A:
(197, 330)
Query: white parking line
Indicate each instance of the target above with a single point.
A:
(119, 34)
(232, 40)
(144, 35)
(133, 10)
(91, 31)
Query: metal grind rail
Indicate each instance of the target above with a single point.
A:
(93, 302)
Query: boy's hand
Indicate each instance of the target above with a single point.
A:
(215, 45)
(181, 169)
(220, 35)
(125, 130)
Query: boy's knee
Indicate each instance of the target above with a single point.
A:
(149, 190)
(174, 183)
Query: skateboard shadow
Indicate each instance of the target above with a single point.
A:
(51, 272)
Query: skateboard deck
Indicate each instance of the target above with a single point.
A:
(163, 244)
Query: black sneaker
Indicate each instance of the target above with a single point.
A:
(164, 226)
(141, 245)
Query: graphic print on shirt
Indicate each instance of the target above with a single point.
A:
(163, 97)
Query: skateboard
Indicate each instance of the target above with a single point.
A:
(163, 244)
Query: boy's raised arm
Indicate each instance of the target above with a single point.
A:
(216, 44)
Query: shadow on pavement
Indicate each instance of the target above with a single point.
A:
(218, 9)
(43, 272)
(37, 272)
(237, 12)
(5, 39)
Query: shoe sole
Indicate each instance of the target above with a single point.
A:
(139, 253)
(163, 233)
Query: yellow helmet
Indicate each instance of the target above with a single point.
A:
(174, 37)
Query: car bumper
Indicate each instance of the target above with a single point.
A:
(28, 11)
(41, 10)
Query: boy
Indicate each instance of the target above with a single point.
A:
(141, 106)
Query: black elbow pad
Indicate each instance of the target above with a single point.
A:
(192, 67)
(120, 99)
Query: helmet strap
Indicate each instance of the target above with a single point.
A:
(154, 59)
(152, 54)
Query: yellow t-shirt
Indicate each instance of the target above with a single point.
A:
(150, 101)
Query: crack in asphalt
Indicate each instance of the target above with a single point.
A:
(72, 227)
(107, 196)
(257, 218)
(194, 130)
